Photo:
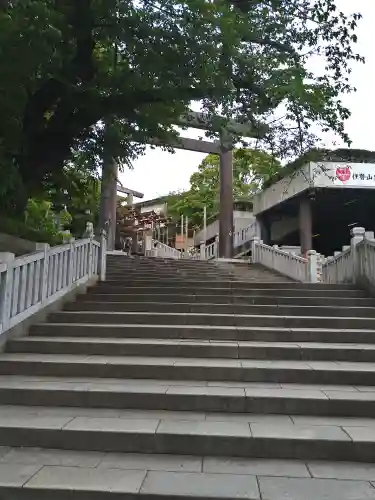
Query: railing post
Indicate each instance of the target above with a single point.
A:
(369, 236)
(147, 243)
(44, 274)
(216, 246)
(319, 272)
(102, 263)
(273, 255)
(202, 250)
(71, 263)
(254, 242)
(89, 258)
(312, 266)
(358, 233)
(155, 250)
(6, 290)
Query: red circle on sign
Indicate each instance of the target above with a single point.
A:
(343, 173)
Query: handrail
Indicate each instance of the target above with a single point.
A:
(246, 234)
(355, 263)
(339, 268)
(211, 250)
(288, 264)
(31, 282)
(240, 237)
(366, 261)
(165, 251)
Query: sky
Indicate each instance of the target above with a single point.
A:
(158, 173)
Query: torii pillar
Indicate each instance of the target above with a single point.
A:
(226, 196)
(108, 200)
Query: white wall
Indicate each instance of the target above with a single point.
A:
(283, 190)
(240, 220)
(211, 231)
(239, 214)
(156, 208)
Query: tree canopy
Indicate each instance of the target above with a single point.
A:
(69, 67)
(251, 169)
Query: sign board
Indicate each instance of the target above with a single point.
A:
(340, 174)
(180, 241)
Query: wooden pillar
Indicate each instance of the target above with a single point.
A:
(305, 225)
(226, 199)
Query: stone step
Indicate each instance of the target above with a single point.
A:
(244, 269)
(42, 474)
(157, 477)
(243, 370)
(195, 349)
(196, 438)
(204, 332)
(103, 288)
(151, 270)
(196, 276)
(156, 261)
(225, 401)
(169, 273)
(230, 298)
(169, 318)
(208, 308)
(234, 284)
(167, 266)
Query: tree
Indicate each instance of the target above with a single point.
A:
(251, 168)
(81, 198)
(138, 64)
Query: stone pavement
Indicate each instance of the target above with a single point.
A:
(182, 379)
(42, 471)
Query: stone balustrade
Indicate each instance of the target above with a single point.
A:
(244, 235)
(211, 251)
(31, 282)
(165, 251)
(355, 263)
(286, 263)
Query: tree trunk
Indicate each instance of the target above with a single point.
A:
(108, 196)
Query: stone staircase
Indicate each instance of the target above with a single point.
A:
(193, 380)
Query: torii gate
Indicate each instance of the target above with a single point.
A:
(224, 148)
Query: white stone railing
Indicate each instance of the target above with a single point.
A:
(165, 251)
(339, 268)
(354, 263)
(205, 235)
(239, 237)
(247, 234)
(31, 282)
(210, 251)
(366, 259)
(286, 263)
